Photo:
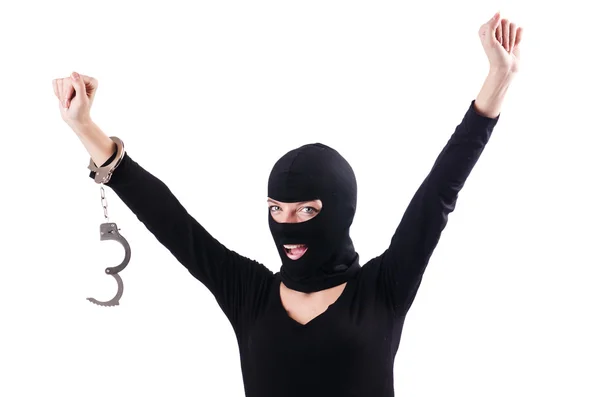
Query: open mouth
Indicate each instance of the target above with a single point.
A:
(295, 251)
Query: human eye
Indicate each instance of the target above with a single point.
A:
(274, 208)
(309, 210)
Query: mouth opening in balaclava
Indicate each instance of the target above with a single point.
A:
(295, 251)
(315, 172)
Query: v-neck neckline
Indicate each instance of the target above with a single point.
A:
(345, 293)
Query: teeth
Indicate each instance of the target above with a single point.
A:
(291, 246)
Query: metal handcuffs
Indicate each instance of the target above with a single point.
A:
(109, 230)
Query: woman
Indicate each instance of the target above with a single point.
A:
(324, 325)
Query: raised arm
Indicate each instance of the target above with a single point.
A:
(231, 278)
(234, 280)
(404, 262)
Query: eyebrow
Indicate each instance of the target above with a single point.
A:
(300, 202)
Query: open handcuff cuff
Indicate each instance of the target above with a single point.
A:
(109, 230)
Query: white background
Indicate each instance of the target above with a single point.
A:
(208, 95)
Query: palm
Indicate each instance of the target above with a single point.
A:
(508, 59)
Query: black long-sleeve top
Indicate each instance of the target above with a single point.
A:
(348, 350)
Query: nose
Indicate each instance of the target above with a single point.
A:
(290, 217)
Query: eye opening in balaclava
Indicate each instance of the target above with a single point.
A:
(316, 172)
(296, 207)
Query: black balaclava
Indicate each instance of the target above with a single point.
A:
(312, 172)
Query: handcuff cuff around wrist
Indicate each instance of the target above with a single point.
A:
(109, 230)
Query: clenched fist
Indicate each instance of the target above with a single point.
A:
(75, 96)
(501, 39)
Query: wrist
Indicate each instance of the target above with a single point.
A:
(489, 100)
(500, 74)
(81, 127)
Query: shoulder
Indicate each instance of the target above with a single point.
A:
(371, 269)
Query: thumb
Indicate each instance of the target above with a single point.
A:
(78, 85)
(494, 19)
(494, 22)
(491, 32)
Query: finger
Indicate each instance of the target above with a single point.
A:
(513, 36)
(60, 88)
(505, 34)
(519, 36)
(91, 84)
(68, 92)
(55, 88)
(498, 33)
(89, 80)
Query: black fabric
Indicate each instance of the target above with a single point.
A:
(350, 349)
(312, 172)
(111, 158)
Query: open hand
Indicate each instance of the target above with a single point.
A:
(75, 95)
(501, 39)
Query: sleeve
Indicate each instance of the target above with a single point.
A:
(233, 280)
(404, 261)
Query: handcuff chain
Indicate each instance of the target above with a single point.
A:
(104, 202)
